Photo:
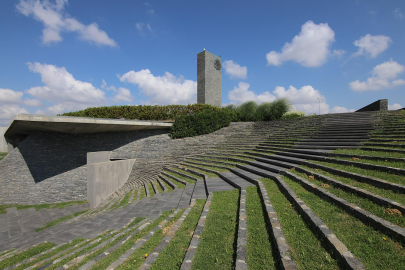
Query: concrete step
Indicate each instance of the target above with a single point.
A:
(329, 143)
(234, 180)
(265, 166)
(199, 190)
(217, 184)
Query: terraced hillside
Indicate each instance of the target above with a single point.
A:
(321, 192)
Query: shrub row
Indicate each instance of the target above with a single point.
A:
(147, 112)
(267, 111)
(200, 123)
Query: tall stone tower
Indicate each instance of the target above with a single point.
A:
(209, 79)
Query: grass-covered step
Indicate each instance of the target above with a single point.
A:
(102, 261)
(379, 161)
(221, 224)
(150, 191)
(188, 174)
(329, 180)
(338, 248)
(172, 256)
(373, 248)
(180, 176)
(167, 181)
(166, 238)
(131, 258)
(383, 149)
(390, 145)
(365, 216)
(177, 181)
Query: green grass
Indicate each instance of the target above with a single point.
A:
(113, 256)
(395, 164)
(218, 240)
(151, 190)
(398, 179)
(373, 248)
(188, 180)
(79, 213)
(50, 254)
(26, 254)
(208, 163)
(158, 186)
(306, 248)
(362, 202)
(143, 192)
(53, 223)
(259, 248)
(398, 197)
(169, 189)
(369, 153)
(209, 174)
(135, 195)
(172, 256)
(39, 206)
(2, 155)
(138, 257)
(125, 200)
(177, 183)
(107, 246)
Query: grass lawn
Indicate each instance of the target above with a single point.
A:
(369, 153)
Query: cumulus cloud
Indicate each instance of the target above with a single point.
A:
(122, 94)
(235, 70)
(8, 96)
(63, 89)
(55, 21)
(383, 77)
(305, 99)
(338, 53)
(167, 89)
(7, 112)
(395, 106)
(241, 94)
(309, 48)
(372, 45)
(398, 14)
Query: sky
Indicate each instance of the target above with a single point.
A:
(324, 56)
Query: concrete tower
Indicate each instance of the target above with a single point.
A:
(209, 79)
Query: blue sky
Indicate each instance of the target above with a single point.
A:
(60, 56)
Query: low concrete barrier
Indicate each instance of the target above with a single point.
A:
(105, 177)
(3, 143)
(379, 105)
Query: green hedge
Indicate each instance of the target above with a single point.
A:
(200, 123)
(141, 112)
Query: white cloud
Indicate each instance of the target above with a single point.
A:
(338, 109)
(309, 48)
(372, 45)
(122, 94)
(306, 94)
(383, 77)
(64, 90)
(241, 94)
(8, 96)
(338, 53)
(394, 106)
(55, 21)
(167, 89)
(235, 70)
(398, 14)
(7, 112)
(140, 26)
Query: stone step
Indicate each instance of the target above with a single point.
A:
(234, 180)
(328, 143)
(333, 140)
(186, 196)
(217, 184)
(199, 190)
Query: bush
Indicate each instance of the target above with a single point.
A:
(268, 111)
(247, 111)
(200, 123)
(140, 112)
(293, 114)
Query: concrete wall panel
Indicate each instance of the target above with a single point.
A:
(3, 143)
(104, 178)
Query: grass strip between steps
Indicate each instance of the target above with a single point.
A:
(26, 254)
(98, 252)
(362, 202)
(189, 173)
(395, 164)
(113, 256)
(53, 223)
(139, 256)
(151, 190)
(260, 252)
(390, 177)
(169, 189)
(398, 197)
(104, 237)
(217, 248)
(306, 248)
(373, 248)
(50, 254)
(39, 206)
(188, 180)
(143, 192)
(209, 174)
(175, 182)
(172, 256)
(125, 200)
(158, 187)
